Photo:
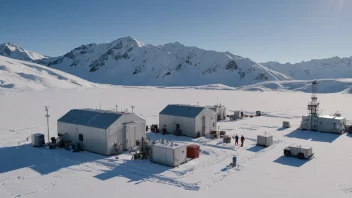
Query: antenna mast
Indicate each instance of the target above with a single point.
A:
(132, 108)
(47, 119)
(313, 105)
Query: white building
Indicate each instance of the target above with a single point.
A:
(328, 124)
(220, 111)
(192, 121)
(101, 131)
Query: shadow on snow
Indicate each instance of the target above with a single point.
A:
(256, 148)
(291, 161)
(313, 136)
(45, 161)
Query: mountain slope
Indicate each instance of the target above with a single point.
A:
(22, 75)
(324, 86)
(334, 67)
(126, 61)
(13, 51)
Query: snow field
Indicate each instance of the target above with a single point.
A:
(264, 172)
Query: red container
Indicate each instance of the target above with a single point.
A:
(193, 151)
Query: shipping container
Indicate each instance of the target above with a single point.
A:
(169, 154)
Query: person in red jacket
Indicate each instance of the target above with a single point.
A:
(242, 140)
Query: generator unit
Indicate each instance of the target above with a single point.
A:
(299, 151)
(38, 140)
(169, 154)
(265, 140)
(286, 124)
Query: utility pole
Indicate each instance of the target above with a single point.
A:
(132, 108)
(47, 119)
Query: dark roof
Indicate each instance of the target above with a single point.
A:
(182, 110)
(92, 118)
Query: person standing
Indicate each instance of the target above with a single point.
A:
(242, 140)
(236, 140)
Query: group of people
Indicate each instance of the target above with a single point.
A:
(236, 140)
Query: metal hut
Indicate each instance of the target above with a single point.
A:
(187, 120)
(102, 132)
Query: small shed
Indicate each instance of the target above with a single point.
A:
(187, 120)
(38, 139)
(100, 131)
(258, 113)
(169, 154)
(265, 140)
(286, 124)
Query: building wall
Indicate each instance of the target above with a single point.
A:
(116, 133)
(187, 125)
(323, 124)
(327, 125)
(94, 139)
(210, 122)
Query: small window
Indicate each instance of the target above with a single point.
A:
(80, 137)
(213, 124)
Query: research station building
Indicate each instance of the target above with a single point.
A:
(323, 123)
(187, 120)
(101, 131)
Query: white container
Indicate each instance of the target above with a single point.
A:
(171, 154)
(38, 139)
(265, 140)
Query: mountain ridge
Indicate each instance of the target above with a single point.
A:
(126, 61)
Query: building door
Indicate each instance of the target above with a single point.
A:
(314, 124)
(130, 139)
(177, 129)
(334, 127)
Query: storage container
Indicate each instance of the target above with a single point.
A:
(193, 151)
(265, 140)
(227, 139)
(286, 124)
(38, 139)
(169, 154)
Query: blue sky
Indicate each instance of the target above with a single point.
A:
(263, 30)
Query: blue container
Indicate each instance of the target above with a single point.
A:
(234, 160)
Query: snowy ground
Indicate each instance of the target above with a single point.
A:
(262, 172)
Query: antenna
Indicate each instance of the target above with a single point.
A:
(313, 105)
(117, 109)
(197, 103)
(99, 104)
(132, 108)
(47, 119)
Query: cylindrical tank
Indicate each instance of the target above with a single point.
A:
(234, 160)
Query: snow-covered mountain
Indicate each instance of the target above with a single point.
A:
(22, 75)
(13, 51)
(334, 67)
(127, 61)
(324, 86)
